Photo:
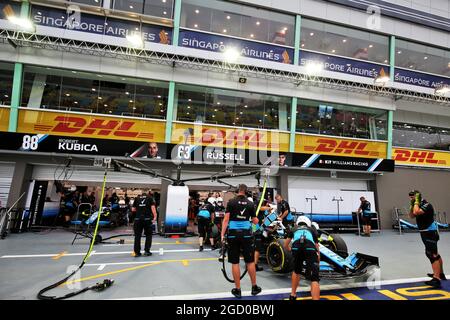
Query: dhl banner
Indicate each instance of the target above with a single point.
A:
(4, 119)
(421, 157)
(230, 137)
(90, 126)
(340, 147)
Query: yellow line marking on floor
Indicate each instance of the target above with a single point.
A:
(185, 263)
(392, 295)
(59, 255)
(135, 268)
(350, 296)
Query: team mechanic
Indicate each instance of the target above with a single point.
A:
(238, 229)
(305, 248)
(144, 207)
(205, 220)
(284, 212)
(423, 211)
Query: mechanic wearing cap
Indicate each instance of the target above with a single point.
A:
(284, 211)
(145, 215)
(305, 248)
(364, 208)
(205, 220)
(423, 211)
(238, 227)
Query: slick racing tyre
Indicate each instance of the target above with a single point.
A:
(338, 245)
(278, 258)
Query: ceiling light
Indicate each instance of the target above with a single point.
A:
(127, 93)
(224, 30)
(425, 58)
(159, 97)
(131, 101)
(189, 99)
(344, 40)
(442, 89)
(313, 67)
(311, 34)
(252, 35)
(370, 45)
(195, 25)
(228, 17)
(197, 11)
(258, 23)
(135, 40)
(399, 52)
(333, 51)
(231, 55)
(165, 12)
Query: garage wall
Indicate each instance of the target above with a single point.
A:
(393, 188)
(6, 175)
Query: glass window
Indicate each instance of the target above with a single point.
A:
(417, 136)
(97, 3)
(343, 41)
(341, 120)
(157, 8)
(88, 92)
(237, 20)
(233, 108)
(421, 57)
(6, 81)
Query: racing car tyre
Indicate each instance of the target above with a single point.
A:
(278, 258)
(338, 245)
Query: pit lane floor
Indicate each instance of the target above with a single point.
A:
(31, 261)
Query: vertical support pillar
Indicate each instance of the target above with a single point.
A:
(170, 107)
(298, 23)
(293, 124)
(390, 122)
(392, 58)
(15, 97)
(176, 22)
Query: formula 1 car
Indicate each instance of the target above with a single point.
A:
(335, 262)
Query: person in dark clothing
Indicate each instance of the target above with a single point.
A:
(114, 203)
(205, 222)
(68, 207)
(145, 216)
(284, 211)
(423, 211)
(366, 215)
(91, 199)
(237, 225)
(305, 251)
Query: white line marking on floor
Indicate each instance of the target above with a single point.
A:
(101, 267)
(219, 295)
(94, 253)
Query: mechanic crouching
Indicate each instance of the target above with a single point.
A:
(238, 229)
(305, 248)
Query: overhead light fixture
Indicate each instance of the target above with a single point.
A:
(231, 55)
(313, 67)
(197, 11)
(24, 24)
(382, 78)
(135, 40)
(442, 89)
(344, 40)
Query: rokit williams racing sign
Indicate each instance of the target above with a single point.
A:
(321, 161)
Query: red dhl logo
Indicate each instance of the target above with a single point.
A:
(341, 147)
(416, 156)
(99, 127)
(235, 138)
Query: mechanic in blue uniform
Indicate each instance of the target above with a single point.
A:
(114, 203)
(364, 209)
(237, 224)
(145, 215)
(423, 211)
(205, 220)
(284, 212)
(69, 207)
(258, 234)
(305, 248)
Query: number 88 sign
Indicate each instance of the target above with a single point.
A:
(30, 142)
